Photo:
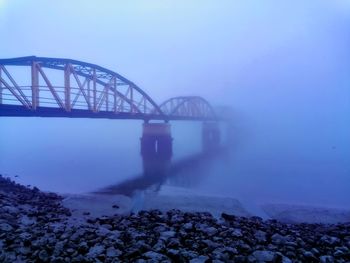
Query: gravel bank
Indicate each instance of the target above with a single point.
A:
(35, 227)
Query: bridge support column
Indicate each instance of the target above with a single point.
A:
(156, 141)
(156, 149)
(210, 135)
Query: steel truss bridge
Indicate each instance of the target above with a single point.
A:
(57, 87)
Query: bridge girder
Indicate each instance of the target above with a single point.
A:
(109, 89)
(188, 106)
(87, 90)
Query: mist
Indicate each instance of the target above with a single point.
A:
(282, 68)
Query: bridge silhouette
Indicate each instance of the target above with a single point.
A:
(56, 87)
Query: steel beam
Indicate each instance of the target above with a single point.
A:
(35, 86)
(14, 93)
(94, 90)
(0, 86)
(15, 85)
(81, 87)
(67, 88)
(115, 95)
(51, 88)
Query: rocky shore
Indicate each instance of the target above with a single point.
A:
(35, 227)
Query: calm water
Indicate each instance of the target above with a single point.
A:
(80, 155)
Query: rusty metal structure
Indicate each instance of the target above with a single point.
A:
(57, 87)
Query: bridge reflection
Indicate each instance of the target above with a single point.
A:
(158, 171)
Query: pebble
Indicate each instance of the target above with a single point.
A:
(35, 227)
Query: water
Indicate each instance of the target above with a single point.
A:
(83, 155)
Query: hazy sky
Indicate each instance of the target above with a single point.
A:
(189, 47)
(283, 66)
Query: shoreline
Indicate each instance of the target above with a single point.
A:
(36, 226)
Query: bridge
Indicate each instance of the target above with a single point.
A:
(56, 87)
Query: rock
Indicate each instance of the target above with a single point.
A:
(25, 220)
(210, 244)
(24, 250)
(10, 209)
(111, 252)
(260, 236)
(240, 259)
(279, 257)
(329, 240)
(228, 217)
(278, 239)
(309, 255)
(236, 232)
(200, 259)
(154, 256)
(167, 234)
(326, 259)
(25, 236)
(315, 251)
(5, 227)
(43, 255)
(263, 255)
(187, 226)
(338, 253)
(59, 246)
(95, 251)
(211, 231)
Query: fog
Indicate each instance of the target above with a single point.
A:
(281, 66)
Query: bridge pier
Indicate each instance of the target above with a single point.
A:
(210, 135)
(156, 148)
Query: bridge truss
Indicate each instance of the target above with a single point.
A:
(56, 87)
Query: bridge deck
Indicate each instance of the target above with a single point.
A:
(21, 111)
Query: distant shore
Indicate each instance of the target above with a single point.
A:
(37, 227)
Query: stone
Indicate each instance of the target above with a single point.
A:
(25, 220)
(326, 259)
(309, 255)
(228, 217)
(187, 226)
(278, 239)
(236, 232)
(260, 236)
(210, 231)
(263, 255)
(154, 256)
(329, 240)
(24, 250)
(10, 209)
(279, 257)
(6, 227)
(43, 255)
(95, 251)
(167, 234)
(200, 259)
(338, 253)
(111, 252)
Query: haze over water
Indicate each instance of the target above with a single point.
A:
(283, 68)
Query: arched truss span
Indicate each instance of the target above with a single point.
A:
(191, 107)
(57, 87)
(84, 86)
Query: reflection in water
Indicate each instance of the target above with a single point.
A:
(158, 171)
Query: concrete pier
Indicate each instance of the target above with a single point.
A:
(210, 135)
(156, 149)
